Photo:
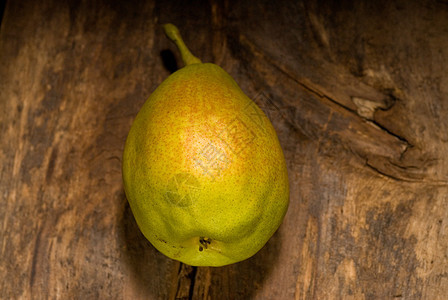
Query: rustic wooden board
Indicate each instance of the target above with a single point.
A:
(357, 90)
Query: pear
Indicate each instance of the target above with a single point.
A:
(203, 170)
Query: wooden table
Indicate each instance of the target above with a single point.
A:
(357, 91)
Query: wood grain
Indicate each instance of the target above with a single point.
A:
(357, 91)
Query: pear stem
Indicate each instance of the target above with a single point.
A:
(173, 33)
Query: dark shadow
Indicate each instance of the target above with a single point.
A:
(169, 60)
(2, 10)
(149, 268)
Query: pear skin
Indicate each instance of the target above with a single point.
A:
(203, 169)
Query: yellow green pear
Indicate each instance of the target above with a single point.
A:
(203, 170)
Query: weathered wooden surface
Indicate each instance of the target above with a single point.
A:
(358, 93)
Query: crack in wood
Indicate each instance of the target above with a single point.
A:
(192, 282)
(36, 254)
(394, 177)
(185, 282)
(383, 173)
(407, 145)
(404, 140)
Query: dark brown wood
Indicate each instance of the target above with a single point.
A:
(358, 93)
